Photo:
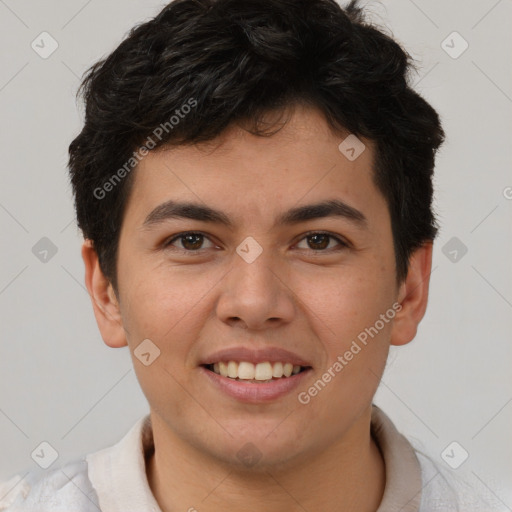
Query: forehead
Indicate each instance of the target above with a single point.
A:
(253, 176)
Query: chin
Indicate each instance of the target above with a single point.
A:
(258, 449)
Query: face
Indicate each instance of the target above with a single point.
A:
(261, 279)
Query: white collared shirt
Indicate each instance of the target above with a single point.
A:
(114, 479)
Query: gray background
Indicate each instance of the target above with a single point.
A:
(59, 383)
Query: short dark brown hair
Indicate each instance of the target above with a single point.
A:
(201, 65)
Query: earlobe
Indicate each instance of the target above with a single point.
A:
(104, 301)
(413, 296)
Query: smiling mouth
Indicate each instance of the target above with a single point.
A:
(261, 373)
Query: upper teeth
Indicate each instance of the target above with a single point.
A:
(249, 371)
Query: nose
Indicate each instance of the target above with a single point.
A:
(255, 295)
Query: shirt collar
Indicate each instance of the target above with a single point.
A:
(118, 473)
(402, 492)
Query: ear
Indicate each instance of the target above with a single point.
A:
(413, 296)
(104, 301)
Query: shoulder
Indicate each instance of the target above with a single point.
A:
(448, 490)
(425, 482)
(58, 490)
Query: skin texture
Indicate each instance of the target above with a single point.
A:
(314, 302)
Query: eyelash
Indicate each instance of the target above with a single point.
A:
(169, 241)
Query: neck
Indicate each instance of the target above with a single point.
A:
(350, 475)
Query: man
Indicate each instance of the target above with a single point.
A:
(254, 185)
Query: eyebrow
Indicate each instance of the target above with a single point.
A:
(195, 211)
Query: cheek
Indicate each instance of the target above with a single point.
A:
(356, 345)
(347, 303)
(164, 303)
(168, 307)
(359, 315)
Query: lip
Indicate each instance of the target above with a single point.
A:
(253, 393)
(255, 356)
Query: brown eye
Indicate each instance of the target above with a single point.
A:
(321, 241)
(318, 241)
(190, 242)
